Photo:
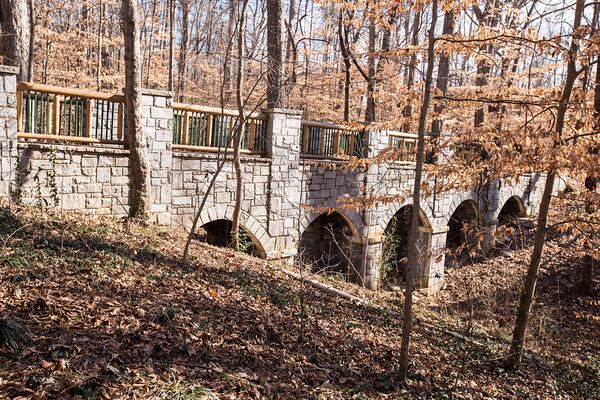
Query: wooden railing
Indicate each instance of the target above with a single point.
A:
(209, 129)
(54, 113)
(406, 142)
(325, 140)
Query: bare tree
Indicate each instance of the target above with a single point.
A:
(239, 130)
(413, 250)
(513, 360)
(136, 141)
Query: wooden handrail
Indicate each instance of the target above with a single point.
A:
(214, 110)
(41, 88)
(326, 125)
(404, 135)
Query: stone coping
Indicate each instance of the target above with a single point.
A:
(7, 69)
(101, 148)
(215, 156)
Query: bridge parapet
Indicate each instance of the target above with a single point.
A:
(65, 148)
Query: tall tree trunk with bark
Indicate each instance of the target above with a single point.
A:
(413, 251)
(239, 130)
(442, 81)
(513, 360)
(412, 66)
(99, 47)
(370, 107)
(343, 38)
(138, 159)
(30, 60)
(591, 183)
(171, 4)
(274, 54)
(183, 49)
(16, 32)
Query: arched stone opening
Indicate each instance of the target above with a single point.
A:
(327, 245)
(218, 233)
(395, 246)
(511, 211)
(464, 226)
(511, 233)
(464, 236)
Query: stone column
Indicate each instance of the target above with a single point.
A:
(8, 129)
(431, 268)
(283, 148)
(369, 259)
(157, 117)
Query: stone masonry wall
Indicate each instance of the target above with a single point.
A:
(90, 178)
(191, 175)
(8, 128)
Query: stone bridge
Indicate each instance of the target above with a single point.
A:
(84, 165)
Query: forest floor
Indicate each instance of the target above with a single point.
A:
(110, 311)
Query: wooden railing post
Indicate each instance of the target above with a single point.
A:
(209, 128)
(56, 115)
(186, 124)
(351, 144)
(305, 130)
(120, 121)
(335, 146)
(19, 111)
(252, 134)
(89, 109)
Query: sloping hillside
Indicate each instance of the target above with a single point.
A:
(111, 312)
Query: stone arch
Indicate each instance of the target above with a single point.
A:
(353, 220)
(390, 212)
(519, 191)
(512, 209)
(255, 229)
(457, 199)
(466, 213)
(329, 243)
(395, 245)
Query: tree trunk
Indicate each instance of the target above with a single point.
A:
(407, 111)
(442, 82)
(136, 141)
(370, 107)
(591, 183)
(16, 32)
(413, 255)
(183, 49)
(239, 130)
(274, 54)
(30, 60)
(171, 43)
(99, 47)
(226, 86)
(343, 38)
(513, 360)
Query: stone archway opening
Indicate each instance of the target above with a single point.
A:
(511, 211)
(327, 246)
(511, 232)
(395, 246)
(464, 233)
(218, 233)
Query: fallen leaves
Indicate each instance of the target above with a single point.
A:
(140, 324)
